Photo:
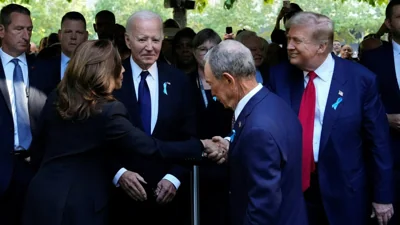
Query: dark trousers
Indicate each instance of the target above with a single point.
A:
(12, 202)
(315, 208)
(126, 211)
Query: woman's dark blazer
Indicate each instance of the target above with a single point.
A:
(74, 177)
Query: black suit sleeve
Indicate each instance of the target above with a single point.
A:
(121, 134)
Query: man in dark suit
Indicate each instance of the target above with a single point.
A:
(264, 154)
(160, 102)
(256, 46)
(20, 105)
(385, 63)
(72, 33)
(345, 130)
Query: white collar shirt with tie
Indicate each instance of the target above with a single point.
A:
(322, 85)
(396, 56)
(152, 82)
(8, 67)
(64, 63)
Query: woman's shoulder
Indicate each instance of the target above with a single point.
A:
(113, 108)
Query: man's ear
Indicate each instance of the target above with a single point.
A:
(127, 41)
(2, 31)
(228, 78)
(95, 27)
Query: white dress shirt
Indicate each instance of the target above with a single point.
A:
(152, 82)
(396, 54)
(243, 102)
(9, 73)
(64, 63)
(322, 85)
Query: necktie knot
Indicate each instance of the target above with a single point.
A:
(144, 74)
(15, 61)
(312, 75)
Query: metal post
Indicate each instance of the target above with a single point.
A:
(195, 196)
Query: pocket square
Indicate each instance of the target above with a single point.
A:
(165, 87)
(336, 104)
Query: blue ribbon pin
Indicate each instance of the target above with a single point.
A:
(165, 87)
(233, 135)
(336, 104)
(215, 98)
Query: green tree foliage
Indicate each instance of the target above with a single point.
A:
(353, 19)
(46, 15)
(123, 9)
(228, 4)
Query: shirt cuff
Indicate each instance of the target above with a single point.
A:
(118, 175)
(228, 138)
(173, 180)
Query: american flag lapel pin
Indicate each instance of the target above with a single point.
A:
(340, 93)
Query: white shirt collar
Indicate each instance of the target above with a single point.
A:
(6, 58)
(64, 59)
(242, 103)
(396, 48)
(325, 70)
(136, 70)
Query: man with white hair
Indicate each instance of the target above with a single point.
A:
(256, 46)
(160, 102)
(347, 161)
(264, 158)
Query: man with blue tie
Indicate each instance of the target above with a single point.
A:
(20, 104)
(385, 63)
(72, 33)
(347, 161)
(264, 158)
(160, 102)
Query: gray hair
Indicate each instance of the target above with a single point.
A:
(244, 35)
(231, 57)
(143, 14)
(322, 26)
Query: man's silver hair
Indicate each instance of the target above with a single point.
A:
(231, 57)
(244, 35)
(144, 15)
(323, 27)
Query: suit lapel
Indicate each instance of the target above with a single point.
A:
(390, 70)
(3, 87)
(164, 100)
(241, 120)
(337, 89)
(127, 95)
(296, 88)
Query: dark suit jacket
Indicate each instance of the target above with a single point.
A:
(265, 164)
(74, 178)
(381, 62)
(36, 101)
(49, 71)
(354, 131)
(176, 120)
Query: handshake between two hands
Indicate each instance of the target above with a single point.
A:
(216, 149)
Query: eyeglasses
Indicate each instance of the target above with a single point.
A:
(203, 50)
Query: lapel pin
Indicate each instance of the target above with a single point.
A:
(340, 93)
(336, 104)
(240, 124)
(165, 87)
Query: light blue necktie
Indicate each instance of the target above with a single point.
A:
(24, 130)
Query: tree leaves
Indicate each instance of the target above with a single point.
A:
(229, 3)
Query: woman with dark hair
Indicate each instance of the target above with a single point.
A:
(82, 127)
(212, 120)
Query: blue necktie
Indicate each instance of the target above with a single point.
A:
(24, 130)
(144, 101)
